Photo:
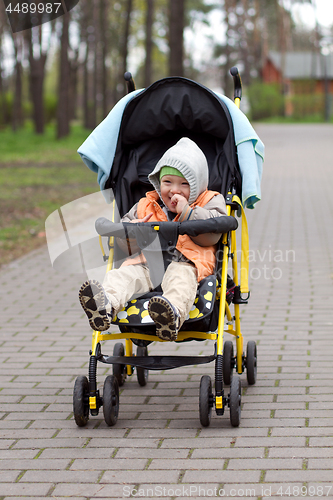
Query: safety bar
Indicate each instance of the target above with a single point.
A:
(222, 224)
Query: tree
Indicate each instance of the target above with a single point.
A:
(149, 43)
(126, 35)
(176, 37)
(38, 49)
(87, 31)
(103, 15)
(17, 118)
(2, 92)
(64, 81)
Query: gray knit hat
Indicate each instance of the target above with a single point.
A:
(188, 158)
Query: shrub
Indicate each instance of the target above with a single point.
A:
(305, 105)
(265, 100)
(50, 107)
(6, 108)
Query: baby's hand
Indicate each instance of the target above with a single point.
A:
(145, 219)
(178, 202)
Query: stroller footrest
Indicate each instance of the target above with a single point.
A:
(157, 362)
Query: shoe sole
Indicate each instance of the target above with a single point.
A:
(92, 300)
(164, 317)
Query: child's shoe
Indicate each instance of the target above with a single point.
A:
(165, 316)
(96, 305)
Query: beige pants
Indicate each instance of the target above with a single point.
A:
(179, 285)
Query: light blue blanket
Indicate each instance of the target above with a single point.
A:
(99, 148)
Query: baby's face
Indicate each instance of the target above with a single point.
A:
(171, 185)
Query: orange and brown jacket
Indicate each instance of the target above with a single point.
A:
(208, 204)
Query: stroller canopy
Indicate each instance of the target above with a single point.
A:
(155, 120)
(148, 122)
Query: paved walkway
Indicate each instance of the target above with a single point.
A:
(158, 449)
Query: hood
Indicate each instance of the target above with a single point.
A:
(188, 158)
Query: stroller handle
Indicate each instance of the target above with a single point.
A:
(129, 82)
(223, 224)
(237, 83)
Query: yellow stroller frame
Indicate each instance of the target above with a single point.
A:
(86, 397)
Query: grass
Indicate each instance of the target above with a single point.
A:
(37, 175)
(25, 146)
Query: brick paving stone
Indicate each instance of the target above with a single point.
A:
(74, 453)
(90, 490)
(301, 452)
(163, 433)
(178, 464)
(321, 441)
(228, 453)
(290, 441)
(6, 443)
(285, 437)
(197, 443)
(286, 476)
(222, 476)
(151, 453)
(59, 476)
(264, 464)
(8, 476)
(41, 498)
(102, 464)
(320, 463)
(23, 490)
(11, 454)
(119, 442)
(90, 432)
(50, 443)
(140, 476)
(25, 464)
(304, 431)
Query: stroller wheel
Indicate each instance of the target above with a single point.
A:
(228, 361)
(235, 401)
(81, 401)
(119, 371)
(142, 373)
(251, 362)
(205, 400)
(110, 400)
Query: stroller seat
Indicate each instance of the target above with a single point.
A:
(135, 313)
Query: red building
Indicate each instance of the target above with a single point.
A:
(299, 73)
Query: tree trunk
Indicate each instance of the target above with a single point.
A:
(2, 94)
(246, 44)
(176, 37)
(96, 64)
(149, 43)
(88, 35)
(129, 8)
(64, 80)
(17, 119)
(17, 114)
(37, 74)
(73, 90)
(86, 113)
(226, 80)
(104, 45)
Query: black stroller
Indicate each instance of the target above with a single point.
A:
(152, 121)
